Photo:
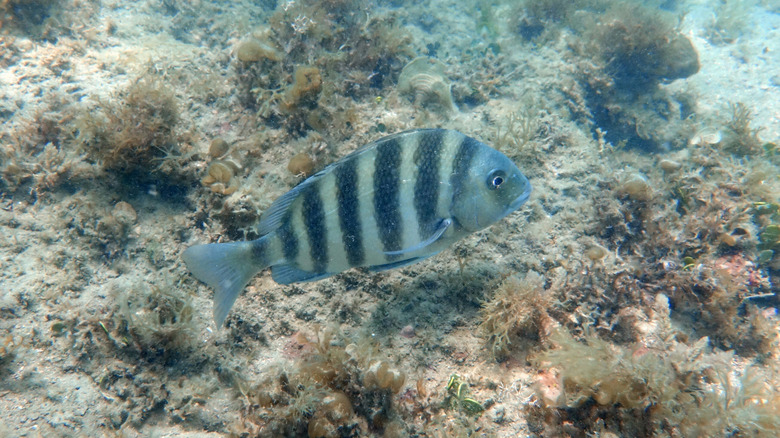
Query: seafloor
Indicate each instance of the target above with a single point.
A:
(634, 295)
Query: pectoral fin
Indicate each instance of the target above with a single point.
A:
(443, 225)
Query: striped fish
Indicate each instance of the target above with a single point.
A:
(391, 203)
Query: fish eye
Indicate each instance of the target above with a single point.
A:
(496, 178)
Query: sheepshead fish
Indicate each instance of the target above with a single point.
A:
(391, 203)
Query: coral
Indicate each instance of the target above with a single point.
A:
(117, 225)
(334, 53)
(380, 376)
(517, 309)
(516, 130)
(335, 411)
(636, 187)
(426, 80)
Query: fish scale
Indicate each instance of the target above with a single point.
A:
(391, 203)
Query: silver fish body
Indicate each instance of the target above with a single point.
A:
(391, 203)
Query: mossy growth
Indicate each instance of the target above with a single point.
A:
(675, 387)
(32, 17)
(8, 346)
(333, 53)
(254, 50)
(517, 311)
(739, 137)
(624, 51)
(303, 92)
(154, 320)
(768, 215)
(331, 390)
(136, 132)
(639, 47)
(221, 177)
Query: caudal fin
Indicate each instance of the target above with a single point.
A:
(227, 267)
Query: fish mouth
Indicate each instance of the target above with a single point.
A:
(520, 200)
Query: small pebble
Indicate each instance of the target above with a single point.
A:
(408, 332)
(669, 165)
(124, 213)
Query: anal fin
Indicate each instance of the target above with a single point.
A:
(286, 274)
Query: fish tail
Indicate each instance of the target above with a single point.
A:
(227, 267)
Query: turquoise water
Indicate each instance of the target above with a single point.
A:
(634, 294)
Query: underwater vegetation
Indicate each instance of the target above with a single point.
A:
(624, 51)
(302, 72)
(155, 318)
(38, 18)
(133, 132)
(729, 22)
(635, 296)
(516, 312)
(639, 48)
(739, 137)
(333, 390)
(663, 384)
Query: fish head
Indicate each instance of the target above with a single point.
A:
(493, 188)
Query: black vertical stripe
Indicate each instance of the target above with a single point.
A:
(314, 219)
(349, 216)
(460, 167)
(426, 187)
(386, 194)
(288, 238)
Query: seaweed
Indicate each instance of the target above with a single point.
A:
(623, 51)
(136, 133)
(154, 319)
(739, 138)
(517, 310)
(318, 75)
(330, 390)
(640, 48)
(663, 383)
(729, 22)
(33, 17)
